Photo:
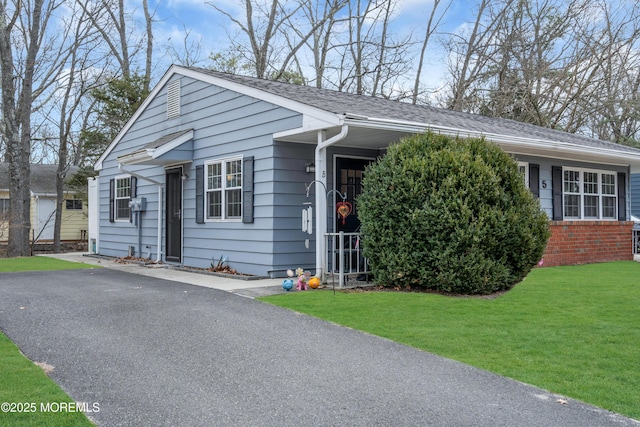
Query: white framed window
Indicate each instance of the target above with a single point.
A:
(589, 194)
(121, 198)
(223, 189)
(523, 168)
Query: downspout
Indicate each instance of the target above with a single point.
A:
(321, 196)
(160, 185)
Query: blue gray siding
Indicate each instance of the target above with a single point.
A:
(225, 124)
(546, 196)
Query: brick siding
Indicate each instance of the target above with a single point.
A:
(584, 242)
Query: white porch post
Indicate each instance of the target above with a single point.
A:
(321, 196)
(321, 205)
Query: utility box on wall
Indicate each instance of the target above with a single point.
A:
(138, 204)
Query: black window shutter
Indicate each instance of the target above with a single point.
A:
(133, 194)
(200, 194)
(534, 179)
(112, 188)
(247, 190)
(556, 184)
(622, 196)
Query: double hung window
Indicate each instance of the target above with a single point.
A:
(122, 197)
(223, 188)
(589, 194)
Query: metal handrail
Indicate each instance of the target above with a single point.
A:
(346, 247)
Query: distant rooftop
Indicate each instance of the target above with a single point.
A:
(43, 177)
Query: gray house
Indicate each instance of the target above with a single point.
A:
(216, 165)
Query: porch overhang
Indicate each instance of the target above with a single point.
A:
(379, 133)
(173, 148)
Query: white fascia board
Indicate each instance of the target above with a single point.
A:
(607, 155)
(136, 157)
(164, 149)
(310, 124)
(136, 115)
(146, 154)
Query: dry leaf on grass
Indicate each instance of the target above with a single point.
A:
(45, 367)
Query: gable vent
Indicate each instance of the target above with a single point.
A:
(173, 99)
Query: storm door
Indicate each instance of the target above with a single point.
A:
(173, 215)
(349, 173)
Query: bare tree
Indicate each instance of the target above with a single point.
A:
(320, 43)
(79, 79)
(190, 53)
(30, 20)
(432, 25)
(112, 20)
(371, 58)
(261, 27)
(612, 106)
(462, 50)
(565, 64)
(275, 32)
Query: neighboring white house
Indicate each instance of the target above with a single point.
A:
(43, 206)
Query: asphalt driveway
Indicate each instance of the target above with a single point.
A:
(154, 352)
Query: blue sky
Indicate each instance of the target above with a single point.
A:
(209, 27)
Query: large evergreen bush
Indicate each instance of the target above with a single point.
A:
(452, 215)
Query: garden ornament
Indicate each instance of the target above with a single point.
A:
(314, 283)
(287, 284)
(303, 276)
(344, 209)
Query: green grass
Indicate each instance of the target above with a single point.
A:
(24, 384)
(38, 263)
(574, 331)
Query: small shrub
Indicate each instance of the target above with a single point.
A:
(452, 215)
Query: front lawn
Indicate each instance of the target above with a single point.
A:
(27, 395)
(574, 331)
(38, 263)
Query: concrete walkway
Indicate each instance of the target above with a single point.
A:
(248, 288)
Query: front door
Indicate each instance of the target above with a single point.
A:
(349, 172)
(173, 215)
(46, 218)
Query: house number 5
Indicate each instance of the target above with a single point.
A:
(544, 183)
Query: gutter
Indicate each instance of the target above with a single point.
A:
(160, 186)
(501, 139)
(321, 196)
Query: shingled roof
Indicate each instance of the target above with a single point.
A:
(370, 122)
(43, 177)
(372, 107)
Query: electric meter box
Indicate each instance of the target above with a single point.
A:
(138, 204)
